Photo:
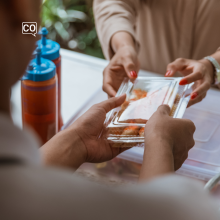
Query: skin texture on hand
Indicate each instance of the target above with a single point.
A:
(80, 143)
(123, 64)
(200, 72)
(167, 142)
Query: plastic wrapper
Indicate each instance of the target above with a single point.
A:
(124, 126)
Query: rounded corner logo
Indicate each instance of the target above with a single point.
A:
(29, 28)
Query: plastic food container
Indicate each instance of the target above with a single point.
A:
(124, 126)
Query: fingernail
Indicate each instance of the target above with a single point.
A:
(133, 74)
(183, 82)
(168, 73)
(194, 95)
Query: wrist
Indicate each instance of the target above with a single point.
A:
(66, 149)
(122, 40)
(158, 160)
(158, 147)
(210, 68)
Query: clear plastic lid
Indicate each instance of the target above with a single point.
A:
(125, 124)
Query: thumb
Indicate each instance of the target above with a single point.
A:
(112, 103)
(164, 109)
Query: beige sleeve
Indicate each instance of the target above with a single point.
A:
(112, 16)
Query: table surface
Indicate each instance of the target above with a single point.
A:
(82, 87)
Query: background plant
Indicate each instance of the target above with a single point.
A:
(71, 24)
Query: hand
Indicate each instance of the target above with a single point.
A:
(124, 63)
(200, 72)
(88, 128)
(175, 133)
(167, 142)
(79, 143)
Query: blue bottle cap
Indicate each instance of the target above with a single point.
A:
(40, 69)
(50, 49)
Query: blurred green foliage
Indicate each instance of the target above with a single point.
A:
(71, 24)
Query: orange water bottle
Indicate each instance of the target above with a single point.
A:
(39, 97)
(51, 51)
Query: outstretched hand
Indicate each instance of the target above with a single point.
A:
(88, 128)
(124, 64)
(167, 142)
(200, 72)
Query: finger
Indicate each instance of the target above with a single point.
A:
(178, 65)
(164, 109)
(122, 149)
(190, 125)
(197, 74)
(109, 90)
(196, 100)
(192, 144)
(112, 103)
(131, 69)
(200, 90)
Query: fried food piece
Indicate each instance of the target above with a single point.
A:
(141, 132)
(138, 94)
(125, 105)
(131, 130)
(115, 130)
(173, 110)
(177, 99)
(123, 145)
(144, 94)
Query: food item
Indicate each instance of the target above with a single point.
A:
(144, 106)
(115, 130)
(173, 109)
(125, 125)
(141, 132)
(131, 130)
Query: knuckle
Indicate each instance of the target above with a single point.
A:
(129, 65)
(185, 155)
(171, 66)
(180, 60)
(188, 122)
(207, 85)
(199, 74)
(192, 125)
(200, 98)
(193, 143)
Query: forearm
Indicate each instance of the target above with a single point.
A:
(122, 39)
(158, 160)
(64, 150)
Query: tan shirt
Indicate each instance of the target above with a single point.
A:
(164, 29)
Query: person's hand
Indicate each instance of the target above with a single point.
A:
(176, 135)
(200, 72)
(79, 143)
(89, 126)
(167, 142)
(123, 64)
